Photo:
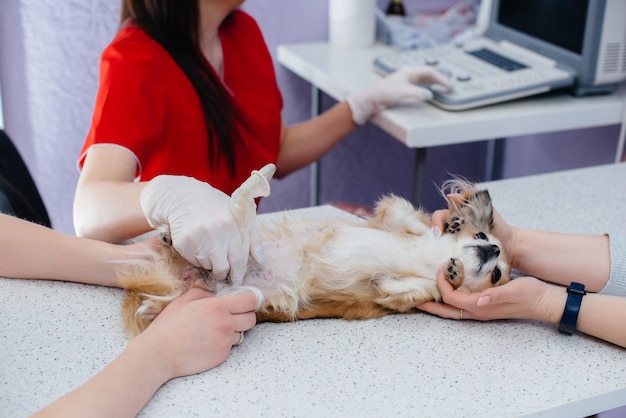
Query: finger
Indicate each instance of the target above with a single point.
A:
(498, 295)
(444, 310)
(437, 79)
(438, 219)
(241, 302)
(216, 260)
(423, 93)
(236, 261)
(191, 255)
(410, 91)
(451, 296)
(428, 76)
(238, 338)
(236, 274)
(455, 198)
(244, 322)
(445, 287)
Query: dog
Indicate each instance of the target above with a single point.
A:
(342, 267)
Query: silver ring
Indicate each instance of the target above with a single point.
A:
(459, 318)
(240, 338)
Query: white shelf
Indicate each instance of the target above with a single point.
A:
(338, 72)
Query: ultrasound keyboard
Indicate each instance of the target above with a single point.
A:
(479, 72)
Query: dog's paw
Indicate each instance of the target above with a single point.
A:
(454, 273)
(453, 224)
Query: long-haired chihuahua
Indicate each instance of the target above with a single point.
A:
(340, 267)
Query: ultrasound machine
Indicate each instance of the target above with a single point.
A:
(529, 47)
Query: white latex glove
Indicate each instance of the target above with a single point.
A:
(398, 86)
(200, 222)
(243, 208)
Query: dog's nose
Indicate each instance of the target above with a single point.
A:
(488, 252)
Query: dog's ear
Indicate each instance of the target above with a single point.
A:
(470, 209)
(477, 210)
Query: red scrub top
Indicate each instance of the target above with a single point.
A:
(145, 103)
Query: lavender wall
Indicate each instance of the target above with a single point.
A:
(49, 53)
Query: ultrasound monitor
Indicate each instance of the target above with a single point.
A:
(588, 36)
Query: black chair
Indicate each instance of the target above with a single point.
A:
(18, 193)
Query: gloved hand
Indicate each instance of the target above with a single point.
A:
(200, 222)
(392, 89)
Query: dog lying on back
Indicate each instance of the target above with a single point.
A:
(344, 267)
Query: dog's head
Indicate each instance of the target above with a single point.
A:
(479, 260)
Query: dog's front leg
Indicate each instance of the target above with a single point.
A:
(454, 272)
(403, 294)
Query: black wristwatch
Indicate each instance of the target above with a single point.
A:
(575, 293)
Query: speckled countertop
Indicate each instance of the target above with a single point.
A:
(54, 336)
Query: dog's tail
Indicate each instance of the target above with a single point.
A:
(149, 289)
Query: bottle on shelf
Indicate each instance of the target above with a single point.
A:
(395, 8)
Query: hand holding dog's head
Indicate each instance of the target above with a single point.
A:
(479, 260)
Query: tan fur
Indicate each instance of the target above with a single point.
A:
(342, 267)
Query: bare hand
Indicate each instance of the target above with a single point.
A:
(197, 331)
(524, 297)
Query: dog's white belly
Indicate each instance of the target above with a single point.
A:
(340, 255)
(284, 245)
(282, 266)
(364, 252)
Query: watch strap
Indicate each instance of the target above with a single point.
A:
(575, 293)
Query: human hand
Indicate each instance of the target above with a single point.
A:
(398, 86)
(199, 219)
(521, 298)
(196, 331)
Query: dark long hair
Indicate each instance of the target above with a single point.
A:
(174, 25)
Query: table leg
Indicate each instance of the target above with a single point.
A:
(619, 154)
(314, 181)
(418, 175)
(493, 159)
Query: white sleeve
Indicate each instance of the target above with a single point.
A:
(617, 279)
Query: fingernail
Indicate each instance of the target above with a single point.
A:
(484, 300)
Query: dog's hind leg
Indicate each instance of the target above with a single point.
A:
(398, 215)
